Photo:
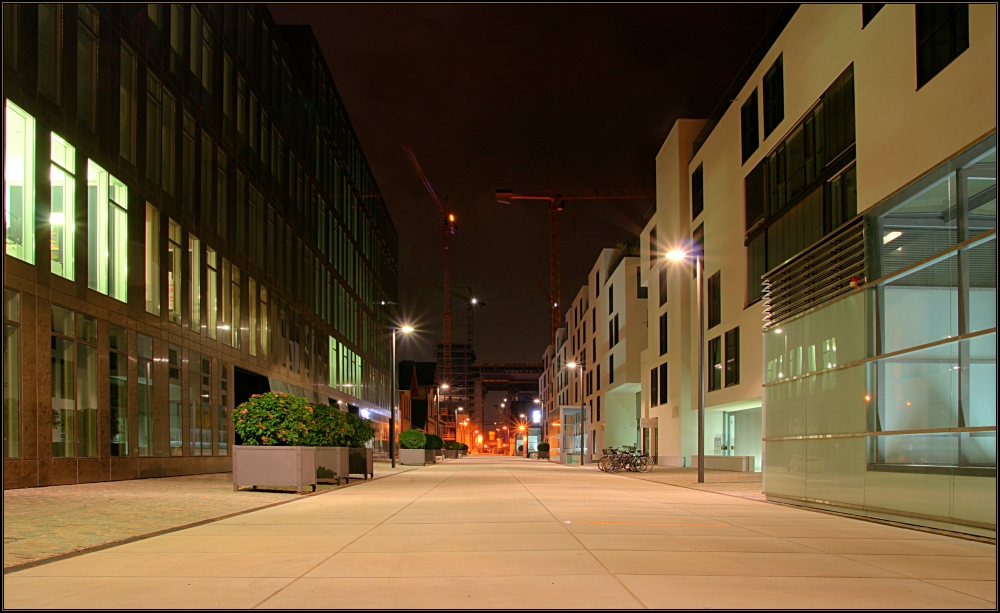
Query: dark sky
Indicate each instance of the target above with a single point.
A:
(530, 97)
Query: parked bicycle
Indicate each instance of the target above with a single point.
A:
(625, 458)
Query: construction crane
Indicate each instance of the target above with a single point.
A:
(448, 227)
(557, 202)
(471, 304)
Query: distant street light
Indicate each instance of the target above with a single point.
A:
(405, 329)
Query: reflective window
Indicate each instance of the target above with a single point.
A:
(175, 272)
(152, 260)
(19, 183)
(118, 392)
(175, 401)
(145, 408)
(62, 217)
(107, 233)
(74, 384)
(11, 374)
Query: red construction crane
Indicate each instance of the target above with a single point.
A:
(557, 202)
(449, 229)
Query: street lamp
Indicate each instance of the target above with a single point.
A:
(437, 411)
(456, 420)
(405, 329)
(583, 411)
(679, 255)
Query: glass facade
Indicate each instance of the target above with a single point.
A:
(11, 374)
(74, 384)
(884, 400)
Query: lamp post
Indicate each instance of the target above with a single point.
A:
(395, 393)
(583, 411)
(456, 421)
(437, 412)
(678, 255)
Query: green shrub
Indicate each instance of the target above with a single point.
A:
(543, 446)
(412, 439)
(359, 431)
(463, 447)
(329, 427)
(452, 445)
(434, 442)
(274, 418)
(520, 448)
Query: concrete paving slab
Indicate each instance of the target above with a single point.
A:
(671, 543)
(737, 564)
(497, 564)
(456, 543)
(941, 546)
(696, 592)
(437, 593)
(933, 567)
(114, 563)
(987, 590)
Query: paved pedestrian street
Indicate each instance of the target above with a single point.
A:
(487, 532)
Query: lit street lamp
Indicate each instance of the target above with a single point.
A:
(679, 255)
(395, 393)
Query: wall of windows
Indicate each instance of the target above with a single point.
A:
(885, 399)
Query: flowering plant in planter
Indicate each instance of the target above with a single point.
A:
(274, 418)
(359, 431)
(329, 427)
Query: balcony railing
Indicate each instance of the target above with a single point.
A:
(818, 274)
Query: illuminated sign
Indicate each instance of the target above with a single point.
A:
(536, 417)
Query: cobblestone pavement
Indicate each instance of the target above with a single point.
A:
(48, 521)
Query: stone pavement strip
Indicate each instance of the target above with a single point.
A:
(43, 522)
(487, 532)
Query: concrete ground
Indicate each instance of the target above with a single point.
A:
(488, 532)
(44, 522)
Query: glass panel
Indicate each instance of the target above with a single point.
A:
(11, 389)
(97, 227)
(234, 320)
(194, 403)
(62, 218)
(117, 253)
(62, 321)
(920, 227)
(175, 274)
(921, 307)
(940, 449)
(982, 381)
(119, 400)
(211, 291)
(205, 408)
(86, 405)
(983, 286)
(86, 329)
(145, 412)
(118, 338)
(63, 398)
(152, 260)
(19, 183)
(194, 248)
(222, 417)
(176, 419)
(252, 288)
(920, 390)
(11, 305)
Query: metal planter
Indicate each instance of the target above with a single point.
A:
(416, 457)
(361, 462)
(332, 464)
(274, 466)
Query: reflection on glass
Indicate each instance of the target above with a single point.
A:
(145, 408)
(920, 227)
(86, 405)
(63, 398)
(62, 216)
(11, 387)
(176, 423)
(921, 307)
(19, 183)
(118, 395)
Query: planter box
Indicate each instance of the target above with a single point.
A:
(332, 464)
(438, 453)
(416, 457)
(543, 455)
(451, 453)
(361, 462)
(275, 466)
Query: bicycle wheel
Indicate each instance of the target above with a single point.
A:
(647, 464)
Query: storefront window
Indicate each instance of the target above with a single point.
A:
(62, 218)
(19, 183)
(176, 398)
(118, 361)
(11, 374)
(145, 409)
(74, 384)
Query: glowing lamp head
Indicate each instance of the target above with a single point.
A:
(537, 401)
(572, 365)
(474, 301)
(445, 386)
(451, 218)
(676, 255)
(406, 329)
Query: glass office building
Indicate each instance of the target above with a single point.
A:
(189, 219)
(882, 401)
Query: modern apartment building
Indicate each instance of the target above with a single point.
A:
(859, 148)
(189, 219)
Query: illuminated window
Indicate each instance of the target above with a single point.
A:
(194, 249)
(62, 218)
(212, 291)
(107, 233)
(19, 183)
(175, 272)
(152, 260)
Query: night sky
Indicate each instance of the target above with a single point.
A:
(529, 97)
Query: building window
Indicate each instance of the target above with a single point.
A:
(715, 364)
(733, 357)
(663, 334)
(597, 283)
(175, 272)
(145, 408)
(50, 33)
(611, 369)
(774, 97)
(152, 260)
(205, 204)
(749, 125)
(663, 284)
(598, 408)
(199, 404)
(252, 289)
(11, 373)
(715, 300)
(175, 401)
(265, 328)
(212, 291)
(653, 248)
(942, 35)
(74, 384)
(194, 251)
(598, 377)
(868, 12)
(664, 390)
(698, 191)
(11, 34)
(616, 329)
(107, 212)
(86, 66)
(188, 162)
(222, 195)
(19, 183)
(176, 37)
(154, 117)
(222, 413)
(234, 317)
(201, 50)
(118, 390)
(654, 387)
(227, 89)
(611, 298)
(126, 106)
(62, 218)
